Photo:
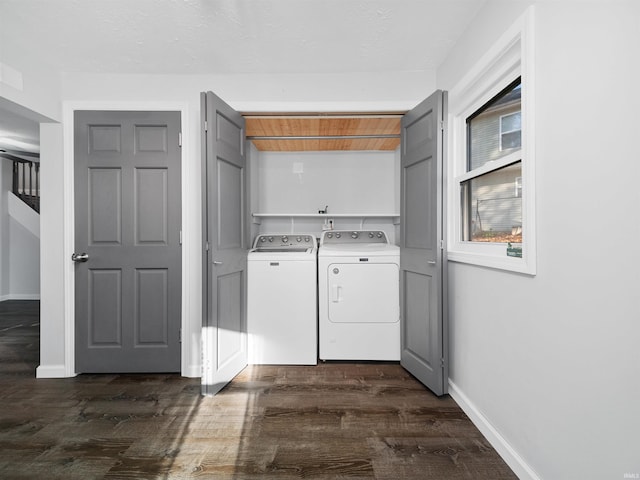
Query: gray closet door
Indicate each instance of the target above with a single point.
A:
(225, 244)
(422, 258)
(127, 221)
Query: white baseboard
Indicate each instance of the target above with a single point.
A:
(502, 446)
(51, 371)
(59, 371)
(20, 296)
(25, 296)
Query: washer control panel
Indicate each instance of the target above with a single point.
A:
(353, 236)
(281, 240)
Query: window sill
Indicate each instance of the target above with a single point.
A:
(502, 262)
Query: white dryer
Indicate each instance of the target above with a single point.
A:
(282, 314)
(358, 296)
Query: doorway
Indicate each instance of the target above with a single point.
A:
(422, 135)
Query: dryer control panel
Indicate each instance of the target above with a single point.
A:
(353, 236)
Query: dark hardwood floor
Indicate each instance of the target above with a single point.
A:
(333, 421)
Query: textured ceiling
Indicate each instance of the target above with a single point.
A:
(229, 36)
(237, 36)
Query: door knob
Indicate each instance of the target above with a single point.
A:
(80, 257)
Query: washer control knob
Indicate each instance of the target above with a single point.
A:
(307, 239)
(299, 239)
(329, 235)
(370, 234)
(355, 235)
(379, 234)
(338, 235)
(285, 239)
(263, 239)
(271, 239)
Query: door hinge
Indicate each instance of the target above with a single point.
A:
(180, 336)
(180, 139)
(441, 124)
(206, 246)
(180, 239)
(441, 244)
(206, 126)
(442, 362)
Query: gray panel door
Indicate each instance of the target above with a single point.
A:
(127, 221)
(422, 257)
(224, 331)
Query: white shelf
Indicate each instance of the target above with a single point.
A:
(325, 215)
(257, 217)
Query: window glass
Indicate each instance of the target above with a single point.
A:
(510, 131)
(495, 130)
(493, 206)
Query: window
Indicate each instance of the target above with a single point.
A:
(490, 210)
(491, 166)
(511, 131)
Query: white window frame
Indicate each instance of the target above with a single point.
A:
(504, 132)
(512, 56)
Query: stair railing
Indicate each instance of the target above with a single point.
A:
(26, 180)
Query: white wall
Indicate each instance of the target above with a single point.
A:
(551, 362)
(24, 264)
(28, 81)
(347, 182)
(53, 356)
(24, 250)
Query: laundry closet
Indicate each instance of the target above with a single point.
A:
(301, 306)
(366, 185)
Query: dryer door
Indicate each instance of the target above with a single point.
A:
(363, 293)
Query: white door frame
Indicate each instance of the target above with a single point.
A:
(68, 109)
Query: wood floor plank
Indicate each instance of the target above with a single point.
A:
(336, 420)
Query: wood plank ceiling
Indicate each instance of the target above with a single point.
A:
(296, 133)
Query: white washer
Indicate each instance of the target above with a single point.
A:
(358, 295)
(282, 315)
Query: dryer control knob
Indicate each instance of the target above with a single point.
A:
(285, 239)
(370, 234)
(263, 239)
(329, 235)
(338, 235)
(355, 235)
(306, 239)
(271, 239)
(379, 234)
(299, 239)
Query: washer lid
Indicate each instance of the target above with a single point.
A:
(282, 249)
